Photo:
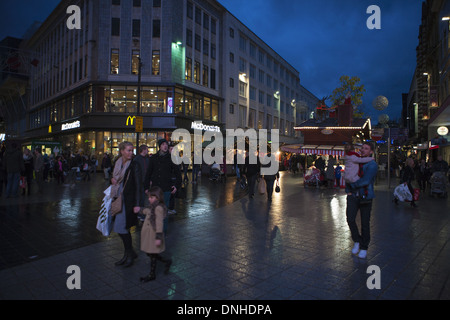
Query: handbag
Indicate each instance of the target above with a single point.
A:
(277, 188)
(262, 186)
(117, 203)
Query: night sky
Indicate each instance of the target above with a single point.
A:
(322, 39)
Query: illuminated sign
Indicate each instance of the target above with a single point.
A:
(442, 131)
(130, 121)
(200, 126)
(72, 125)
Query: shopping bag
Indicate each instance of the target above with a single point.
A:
(23, 182)
(105, 220)
(105, 223)
(262, 186)
(416, 194)
(402, 193)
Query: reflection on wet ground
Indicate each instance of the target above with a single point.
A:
(64, 217)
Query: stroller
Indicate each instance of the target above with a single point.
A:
(438, 182)
(313, 178)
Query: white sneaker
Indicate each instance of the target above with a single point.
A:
(355, 249)
(362, 254)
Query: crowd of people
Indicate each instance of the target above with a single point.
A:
(19, 168)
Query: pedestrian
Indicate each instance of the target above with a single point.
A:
(352, 163)
(270, 180)
(46, 167)
(126, 181)
(28, 172)
(171, 206)
(360, 195)
(408, 177)
(106, 165)
(330, 174)
(13, 165)
(422, 175)
(338, 175)
(251, 172)
(152, 234)
(59, 170)
(39, 169)
(195, 170)
(86, 169)
(320, 164)
(160, 171)
(439, 165)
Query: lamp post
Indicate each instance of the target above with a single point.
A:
(380, 103)
(138, 107)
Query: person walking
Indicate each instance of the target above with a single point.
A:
(13, 165)
(160, 172)
(251, 172)
(39, 169)
(126, 180)
(28, 172)
(360, 195)
(270, 180)
(59, 170)
(330, 174)
(408, 177)
(152, 234)
(106, 165)
(422, 174)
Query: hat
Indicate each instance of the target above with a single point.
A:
(161, 141)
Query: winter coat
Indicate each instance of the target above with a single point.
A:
(149, 235)
(160, 172)
(13, 161)
(330, 175)
(132, 193)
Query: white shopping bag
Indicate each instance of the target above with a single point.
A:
(105, 220)
(402, 193)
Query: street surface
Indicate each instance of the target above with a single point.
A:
(226, 246)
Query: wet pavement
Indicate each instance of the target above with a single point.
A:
(226, 246)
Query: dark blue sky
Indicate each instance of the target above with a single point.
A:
(322, 39)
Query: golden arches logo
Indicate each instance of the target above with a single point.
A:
(130, 120)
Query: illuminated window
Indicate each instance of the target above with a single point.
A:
(156, 63)
(197, 72)
(135, 62)
(188, 72)
(114, 61)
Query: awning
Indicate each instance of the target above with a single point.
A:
(315, 149)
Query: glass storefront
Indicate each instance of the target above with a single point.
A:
(124, 99)
(98, 142)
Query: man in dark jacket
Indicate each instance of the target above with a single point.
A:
(251, 172)
(13, 165)
(160, 171)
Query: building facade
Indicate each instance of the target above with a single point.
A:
(429, 95)
(171, 62)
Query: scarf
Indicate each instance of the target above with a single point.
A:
(120, 169)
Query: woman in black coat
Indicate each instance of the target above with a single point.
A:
(126, 180)
(408, 177)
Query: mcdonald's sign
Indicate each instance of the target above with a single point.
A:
(130, 121)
